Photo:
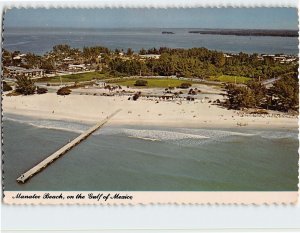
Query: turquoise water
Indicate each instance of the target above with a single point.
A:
(150, 158)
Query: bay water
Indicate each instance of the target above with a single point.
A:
(41, 40)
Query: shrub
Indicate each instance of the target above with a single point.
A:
(140, 83)
(41, 90)
(136, 96)
(192, 92)
(6, 87)
(260, 111)
(239, 97)
(25, 86)
(189, 98)
(64, 91)
(185, 85)
(13, 93)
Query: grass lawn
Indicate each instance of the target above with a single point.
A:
(75, 77)
(163, 83)
(230, 79)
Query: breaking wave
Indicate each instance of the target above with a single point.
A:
(173, 135)
(51, 124)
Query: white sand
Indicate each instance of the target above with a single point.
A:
(94, 108)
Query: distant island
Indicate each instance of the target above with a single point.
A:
(249, 32)
(165, 32)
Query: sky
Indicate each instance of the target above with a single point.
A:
(249, 18)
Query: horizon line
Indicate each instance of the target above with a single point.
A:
(96, 28)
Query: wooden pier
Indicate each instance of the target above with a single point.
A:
(37, 168)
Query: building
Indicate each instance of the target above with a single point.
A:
(291, 60)
(268, 55)
(280, 59)
(14, 71)
(227, 55)
(150, 56)
(260, 58)
(68, 60)
(19, 57)
(80, 67)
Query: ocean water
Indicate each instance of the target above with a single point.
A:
(136, 158)
(41, 40)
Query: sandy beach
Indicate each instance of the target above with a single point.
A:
(90, 109)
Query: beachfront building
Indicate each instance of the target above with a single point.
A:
(268, 56)
(288, 60)
(20, 58)
(80, 67)
(260, 58)
(149, 56)
(68, 60)
(281, 59)
(14, 71)
(100, 84)
(227, 55)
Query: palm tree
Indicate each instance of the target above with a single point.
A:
(25, 85)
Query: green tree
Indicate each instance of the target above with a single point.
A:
(61, 49)
(6, 87)
(259, 92)
(64, 91)
(6, 57)
(285, 94)
(239, 97)
(218, 59)
(25, 85)
(142, 51)
(47, 65)
(129, 52)
(41, 90)
(32, 60)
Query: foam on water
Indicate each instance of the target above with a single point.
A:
(174, 135)
(278, 134)
(51, 124)
(188, 136)
(215, 133)
(162, 135)
(147, 139)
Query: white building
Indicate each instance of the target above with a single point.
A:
(68, 60)
(77, 67)
(32, 73)
(227, 55)
(150, 56)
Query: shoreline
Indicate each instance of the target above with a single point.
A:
(91, 109)
(178, 124)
